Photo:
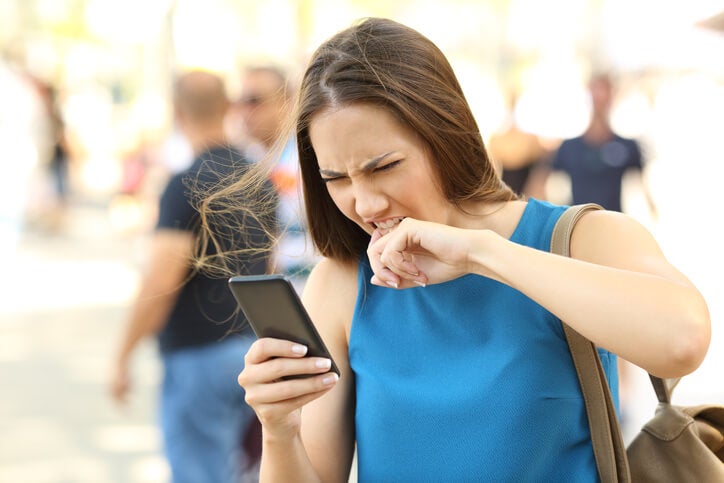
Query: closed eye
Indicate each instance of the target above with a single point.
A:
(332, 178)
(387, 166)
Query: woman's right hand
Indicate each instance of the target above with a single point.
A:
(277, 400)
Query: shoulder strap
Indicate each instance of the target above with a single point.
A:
(664, 387)
(608, 447)
(561, 237)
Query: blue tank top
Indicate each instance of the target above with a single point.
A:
(468, 380)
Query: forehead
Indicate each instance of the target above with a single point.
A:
(359, 118)
(357, 133)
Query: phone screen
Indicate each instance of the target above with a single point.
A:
(273, 309)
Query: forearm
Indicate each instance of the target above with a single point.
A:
(646, 319)
(148, 316)
(160, 286)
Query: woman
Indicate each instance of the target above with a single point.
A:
(437, 295)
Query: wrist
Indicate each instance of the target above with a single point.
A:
(280, 436)
(482, 252)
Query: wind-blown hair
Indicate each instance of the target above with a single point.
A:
(386, 64)
(383, 63)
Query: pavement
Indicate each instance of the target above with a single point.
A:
(64, 299)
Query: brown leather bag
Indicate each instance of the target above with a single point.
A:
(679, 444)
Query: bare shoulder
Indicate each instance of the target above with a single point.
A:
(600, 232)
(619, 241)
(330, 293)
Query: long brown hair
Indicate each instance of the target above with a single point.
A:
(387, 64)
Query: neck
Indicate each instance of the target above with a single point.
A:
(599, 131)
(201, 140)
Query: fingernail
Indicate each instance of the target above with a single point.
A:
(323, 363)
(330, 379)
(391, 284)
(299, 349)
(421, 284)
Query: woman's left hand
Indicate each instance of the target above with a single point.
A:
(418, 252)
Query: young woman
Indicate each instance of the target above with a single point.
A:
(437, 295)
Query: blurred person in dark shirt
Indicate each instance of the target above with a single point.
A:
(192, 313)
(597, 161)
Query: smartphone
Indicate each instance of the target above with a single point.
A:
(273, 309)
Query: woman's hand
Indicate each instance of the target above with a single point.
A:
(276, 399)
(419, 252)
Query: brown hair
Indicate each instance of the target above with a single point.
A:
(384, 63)
(387, 64)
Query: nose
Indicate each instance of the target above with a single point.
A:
(369, 201)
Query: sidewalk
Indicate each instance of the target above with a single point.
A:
(64, 299)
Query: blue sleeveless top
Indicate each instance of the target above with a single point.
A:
(468, 380)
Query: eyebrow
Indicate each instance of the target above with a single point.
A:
(368, 166)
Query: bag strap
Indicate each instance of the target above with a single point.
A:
(608, 448)
(664, 388)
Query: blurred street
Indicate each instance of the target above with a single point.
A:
(64, 297)
(87, 114)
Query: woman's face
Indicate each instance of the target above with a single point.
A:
(375, 168)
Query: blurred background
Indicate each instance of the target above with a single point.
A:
(92, 78)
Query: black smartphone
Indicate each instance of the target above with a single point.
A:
(273, 309)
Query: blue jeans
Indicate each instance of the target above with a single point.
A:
(203, 412)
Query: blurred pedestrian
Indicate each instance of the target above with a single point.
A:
(517, 154)
(60, 156)
(55, 155)
(265, 105)
(202, 409)
(597, 161)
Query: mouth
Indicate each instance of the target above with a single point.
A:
(386, 226)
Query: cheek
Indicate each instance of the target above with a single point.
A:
(421, 186)
(429, 185)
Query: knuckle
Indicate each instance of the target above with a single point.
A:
(248, 357)
(242, 379)
(260, 345)
(386, 260)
